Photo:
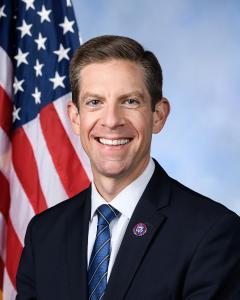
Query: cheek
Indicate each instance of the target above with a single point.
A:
(86, 124)
(143, 124)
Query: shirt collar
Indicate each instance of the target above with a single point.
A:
(126, 201)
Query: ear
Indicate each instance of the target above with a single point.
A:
(74, 117)
(162, 110)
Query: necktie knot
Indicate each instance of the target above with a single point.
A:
(106, 213)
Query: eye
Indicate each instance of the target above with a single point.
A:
(132, 102)
(93, 102)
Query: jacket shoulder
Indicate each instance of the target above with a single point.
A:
(198, 207)
(58, 214)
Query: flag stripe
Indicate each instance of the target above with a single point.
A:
(5, 153)
(2, 237)
(19, 203)
(8, 288)
(13, 254)
(4, 206)
(49, 179)
(62, 152)
(26, 168)
(2, 249)
(6, 77)
(5, 196)
(1, 275)
(5, 111)
(61, 108)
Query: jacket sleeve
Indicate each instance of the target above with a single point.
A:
(214, 272)
(25, 280)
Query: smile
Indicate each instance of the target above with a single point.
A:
(113, 142)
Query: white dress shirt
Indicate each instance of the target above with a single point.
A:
(125, 202)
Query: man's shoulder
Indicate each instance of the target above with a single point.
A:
(184, 201)
(197, 208)
(66, 205)
(60, 212)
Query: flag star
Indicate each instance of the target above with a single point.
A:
(29, 4)
(38, 68)
(17, 85)
(62, 53)
(2, 13)
(21, 57)
(44, 14)
(57, 80)
(37, 95)
(25, 29)
(69, 4)
(67, 25)
(41, 42)
(15, 113)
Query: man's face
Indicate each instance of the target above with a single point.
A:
(115, 121)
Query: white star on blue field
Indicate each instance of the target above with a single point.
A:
(198, 46)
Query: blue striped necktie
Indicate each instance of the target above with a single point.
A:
(98, 264)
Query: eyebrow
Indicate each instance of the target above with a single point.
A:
(132, 94)
(92, 95)
(123, 96)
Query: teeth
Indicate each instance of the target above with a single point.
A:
(113, 142)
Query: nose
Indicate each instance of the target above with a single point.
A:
(112, 117)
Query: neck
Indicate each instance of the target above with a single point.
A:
(110, 187)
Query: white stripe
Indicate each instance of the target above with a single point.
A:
(21, 210)
(98, 284)
(2, 236)
(101, 231)
(112, 210)
(103, 216)
(51, 185)
(102, 295)
(106, 257)
(6, 72)
(97, 253)
(5, 153)
(61, 108)
(9, 292)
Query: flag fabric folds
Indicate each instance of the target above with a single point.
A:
(41, 161)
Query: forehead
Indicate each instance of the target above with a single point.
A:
(115, 75)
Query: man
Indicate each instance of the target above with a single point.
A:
(135, 233)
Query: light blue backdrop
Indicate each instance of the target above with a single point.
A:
(198, 46)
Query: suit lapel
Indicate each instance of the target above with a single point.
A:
(134, 248)
(76, 246)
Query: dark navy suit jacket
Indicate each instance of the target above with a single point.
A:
(191, 250)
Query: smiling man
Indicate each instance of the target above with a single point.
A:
(115, 121)
(135, 233)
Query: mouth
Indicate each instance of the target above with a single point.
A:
(113, 142)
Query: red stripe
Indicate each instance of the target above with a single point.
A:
(4, 209)
(26, 168)
(14, 250)
(5, 196)
(1, 274)
(65, 159)
(5, 111)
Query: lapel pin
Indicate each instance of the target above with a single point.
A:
(140, 229)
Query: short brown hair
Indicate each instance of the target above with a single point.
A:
(108, 47)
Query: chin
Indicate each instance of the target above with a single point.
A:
(112, 169)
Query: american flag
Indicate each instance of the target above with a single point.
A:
(41, 161)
